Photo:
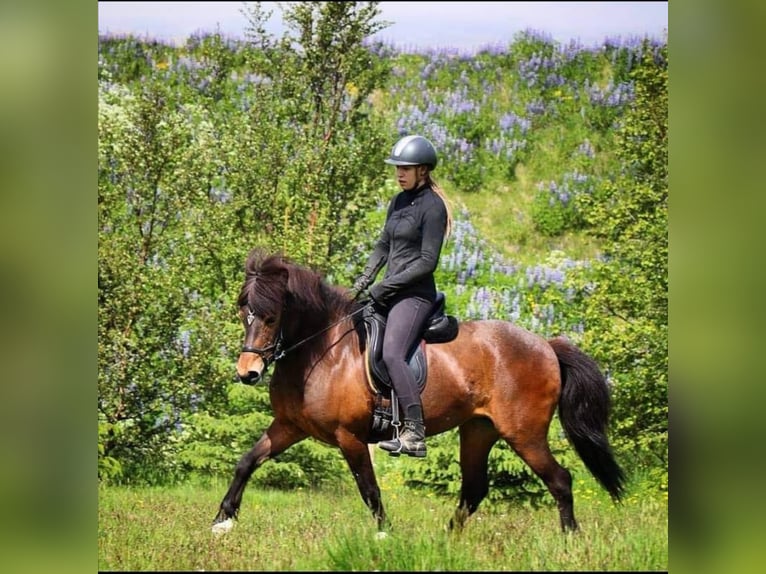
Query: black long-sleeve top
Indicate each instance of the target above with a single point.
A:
(409, 246)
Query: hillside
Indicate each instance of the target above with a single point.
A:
(554, 157)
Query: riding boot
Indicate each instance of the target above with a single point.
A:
(411, 441)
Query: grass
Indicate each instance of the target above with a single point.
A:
(144, 529)
(501, 211)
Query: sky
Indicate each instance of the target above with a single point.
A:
(463, 25)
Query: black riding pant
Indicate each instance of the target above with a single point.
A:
(404, 326)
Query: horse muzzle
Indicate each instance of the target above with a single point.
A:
(250, 378)
(250, 369)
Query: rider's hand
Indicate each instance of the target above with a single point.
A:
(360, 285)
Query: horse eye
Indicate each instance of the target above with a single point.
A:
(269, 321)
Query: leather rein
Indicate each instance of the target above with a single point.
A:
(275, 349)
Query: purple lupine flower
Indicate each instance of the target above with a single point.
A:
(185, 340)
(535, 108)
(586, 149)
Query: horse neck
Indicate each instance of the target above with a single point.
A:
(308, 319)
(306, 327)
(311, 338)
(296, 325)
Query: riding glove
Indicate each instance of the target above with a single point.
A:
(360, 285)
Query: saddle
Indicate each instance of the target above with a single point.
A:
(439, 328)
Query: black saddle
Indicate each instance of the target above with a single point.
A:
(439, 328)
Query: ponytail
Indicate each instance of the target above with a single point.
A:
(440, 192)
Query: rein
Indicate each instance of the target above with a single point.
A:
(277, 353)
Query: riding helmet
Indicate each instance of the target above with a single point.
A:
(413, 150)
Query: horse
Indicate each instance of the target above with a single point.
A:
(494, 381)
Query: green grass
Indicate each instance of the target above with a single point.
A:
(169, 529)
(501, 213)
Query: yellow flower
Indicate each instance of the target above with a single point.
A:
(352, 90)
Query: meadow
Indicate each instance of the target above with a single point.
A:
(168, 528)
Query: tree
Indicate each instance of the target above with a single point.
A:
(320, 164)
(214, 150)
(154, 364)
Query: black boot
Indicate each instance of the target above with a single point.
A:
(411, 441)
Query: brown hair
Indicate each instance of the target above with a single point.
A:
(440, 192)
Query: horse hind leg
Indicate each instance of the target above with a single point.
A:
(477, 437)
(537, 454)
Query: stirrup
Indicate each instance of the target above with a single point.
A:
(393, 447)
(396, 447)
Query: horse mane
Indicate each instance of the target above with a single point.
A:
(271, 278)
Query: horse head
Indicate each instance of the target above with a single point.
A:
(278, 301)
(261, 305)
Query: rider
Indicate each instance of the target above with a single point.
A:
(418, 222)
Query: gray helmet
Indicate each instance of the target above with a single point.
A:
(413, 150)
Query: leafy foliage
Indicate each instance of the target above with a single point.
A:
(197, 165)
(626, 306)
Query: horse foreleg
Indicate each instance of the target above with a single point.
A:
(278, 437)
(357, 455)
(477, 436)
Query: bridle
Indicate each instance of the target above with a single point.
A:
(275, 347)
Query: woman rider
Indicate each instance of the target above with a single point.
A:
(417, 223)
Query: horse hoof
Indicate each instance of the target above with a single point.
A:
(223, 527)
(381, 535)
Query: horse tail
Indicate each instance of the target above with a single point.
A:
(584, 408)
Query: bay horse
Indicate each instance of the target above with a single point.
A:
(494, 380)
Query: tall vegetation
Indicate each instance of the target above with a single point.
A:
(204, 152)
(216, 146)
(626, 299)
